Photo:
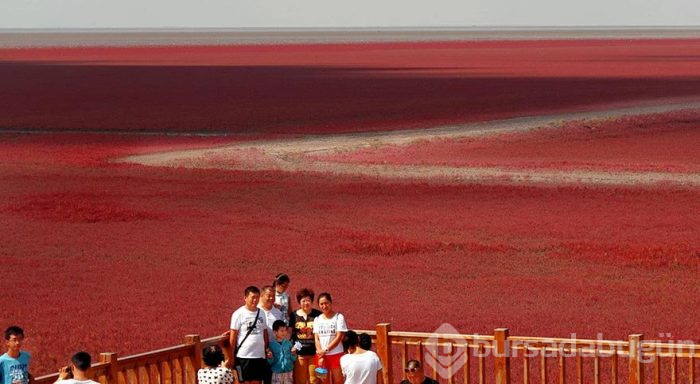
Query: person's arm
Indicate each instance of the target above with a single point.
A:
(270, 358)
(62, 374)
(226, 348)
(233, 339)
(317, 342)
(294, 353)
(380, 376)
(336, 340)
(319, 352)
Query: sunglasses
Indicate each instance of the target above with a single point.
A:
(411, 370)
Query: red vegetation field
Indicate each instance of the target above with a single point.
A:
(113, 257)
(332, 88)
(664, 142)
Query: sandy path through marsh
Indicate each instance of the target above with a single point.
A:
(291, 154)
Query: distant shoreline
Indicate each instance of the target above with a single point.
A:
(263, 36)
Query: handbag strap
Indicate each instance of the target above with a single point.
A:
(250, 330)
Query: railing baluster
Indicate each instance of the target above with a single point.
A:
(482, 363)
(166, 373)
(526, 367)
(691, 369)
(434, 349)
(674, 369)
(450, 346)
(420, 354)
(562, 367)
(154, 374)
(657, 370)
(579, 367)
(132, 376)
(543, 365)
(467, 361)
(613, 367)
(404, 357)
(596, 368)
(183, 369)
(143, 375)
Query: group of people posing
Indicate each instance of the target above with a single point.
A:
(270, 342)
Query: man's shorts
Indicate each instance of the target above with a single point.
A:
(253, 369)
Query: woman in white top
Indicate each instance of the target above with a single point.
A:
(329, 329)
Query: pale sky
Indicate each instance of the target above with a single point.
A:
(349, 13)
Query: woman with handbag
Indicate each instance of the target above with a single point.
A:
(329, 329)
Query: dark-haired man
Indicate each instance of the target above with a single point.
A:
(14, 364)
(415, 375)
(79, 366)
(250, 340)
(365, 341)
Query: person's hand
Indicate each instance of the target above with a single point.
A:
(294, 350)
(64, 373)
(277, 305)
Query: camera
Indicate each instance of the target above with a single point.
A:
(69, 372)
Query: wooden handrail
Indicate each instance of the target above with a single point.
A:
(179, 364)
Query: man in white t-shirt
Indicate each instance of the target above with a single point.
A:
(77, 371)
(250, 340)
(358, 365)
(267, 304)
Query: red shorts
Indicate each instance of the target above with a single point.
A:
(330, 361)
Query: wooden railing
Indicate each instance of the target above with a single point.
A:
(498, 358)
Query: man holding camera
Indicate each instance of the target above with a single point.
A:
(76, 372)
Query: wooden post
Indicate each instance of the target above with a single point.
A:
(384, 351)
(636, 374)
(112, 376)
(195, 344)
(501, 354)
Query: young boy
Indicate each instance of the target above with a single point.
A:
(283, 355)
(14, 365)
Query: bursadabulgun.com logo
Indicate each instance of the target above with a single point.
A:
(448, 357)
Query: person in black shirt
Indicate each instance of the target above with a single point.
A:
(415, 375)
(302, 324)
